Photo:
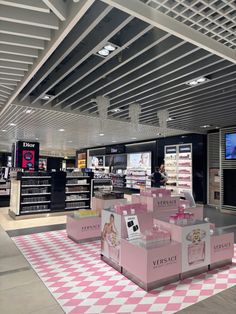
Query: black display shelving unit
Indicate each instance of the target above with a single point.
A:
(50, 192)
(78, 191)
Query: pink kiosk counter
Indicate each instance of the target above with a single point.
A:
(153, 251)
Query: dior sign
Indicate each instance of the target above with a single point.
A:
(28, 145)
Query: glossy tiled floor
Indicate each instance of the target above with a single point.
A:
(8, 223)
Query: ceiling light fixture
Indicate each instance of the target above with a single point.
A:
(29, 111)
(46, 97)
(12, 124)
(170, 119)
(110, 47)
(103, 52)
(36, 138)
(197, 81)
(61, 130)
(69, 141)
(107, 49)
(116, 110)
(101, 134)
(205, 126)
(134, 138)
(4, 130)
(113, 141)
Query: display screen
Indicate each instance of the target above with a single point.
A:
(230, 146)
(118, 161)
(28, 159)
(96, 161)
(139, 160)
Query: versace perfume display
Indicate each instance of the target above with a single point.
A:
(181, 217)
(196, 249)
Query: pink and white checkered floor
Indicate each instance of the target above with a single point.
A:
(82, 283)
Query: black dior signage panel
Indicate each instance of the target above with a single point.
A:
(27, 155)
(116, 149)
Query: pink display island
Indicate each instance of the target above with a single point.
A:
(153, 247)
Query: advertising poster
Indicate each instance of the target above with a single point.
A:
(195, 246)
(95, 162)
(139, 160)
(132, 226)
(230, 145)
(28, 159)
(110, 235)
(43, 164)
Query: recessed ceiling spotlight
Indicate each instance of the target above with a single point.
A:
(12, 124)
(46, 97)
(197, 81)
(36, 138)
(116, 110)
(158, 134)
(170, 119)
(29, 111)
(61, 130)
(103, 52)
(134, 138)
(110, 47)
(69, 141)
(113, 141)
(4, 130)
(101, 134)
(107, 49)
(217, 127)
(205, 126)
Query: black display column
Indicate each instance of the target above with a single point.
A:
(58, 194)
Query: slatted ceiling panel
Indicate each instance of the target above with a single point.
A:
(214, 18)
(213, 150)
(81, 130)
(150, 66)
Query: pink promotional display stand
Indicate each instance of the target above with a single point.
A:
(83, 229)
(159, 239)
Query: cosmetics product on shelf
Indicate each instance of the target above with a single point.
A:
(83, 213)
(181, 217)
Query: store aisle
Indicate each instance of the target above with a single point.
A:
(21, 290)
(8, 223)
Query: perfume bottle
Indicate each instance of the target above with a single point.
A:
(196, 252)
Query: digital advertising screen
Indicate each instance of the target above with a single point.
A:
(230, 146)
(139, 160)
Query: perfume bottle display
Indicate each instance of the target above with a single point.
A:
(197, 248)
